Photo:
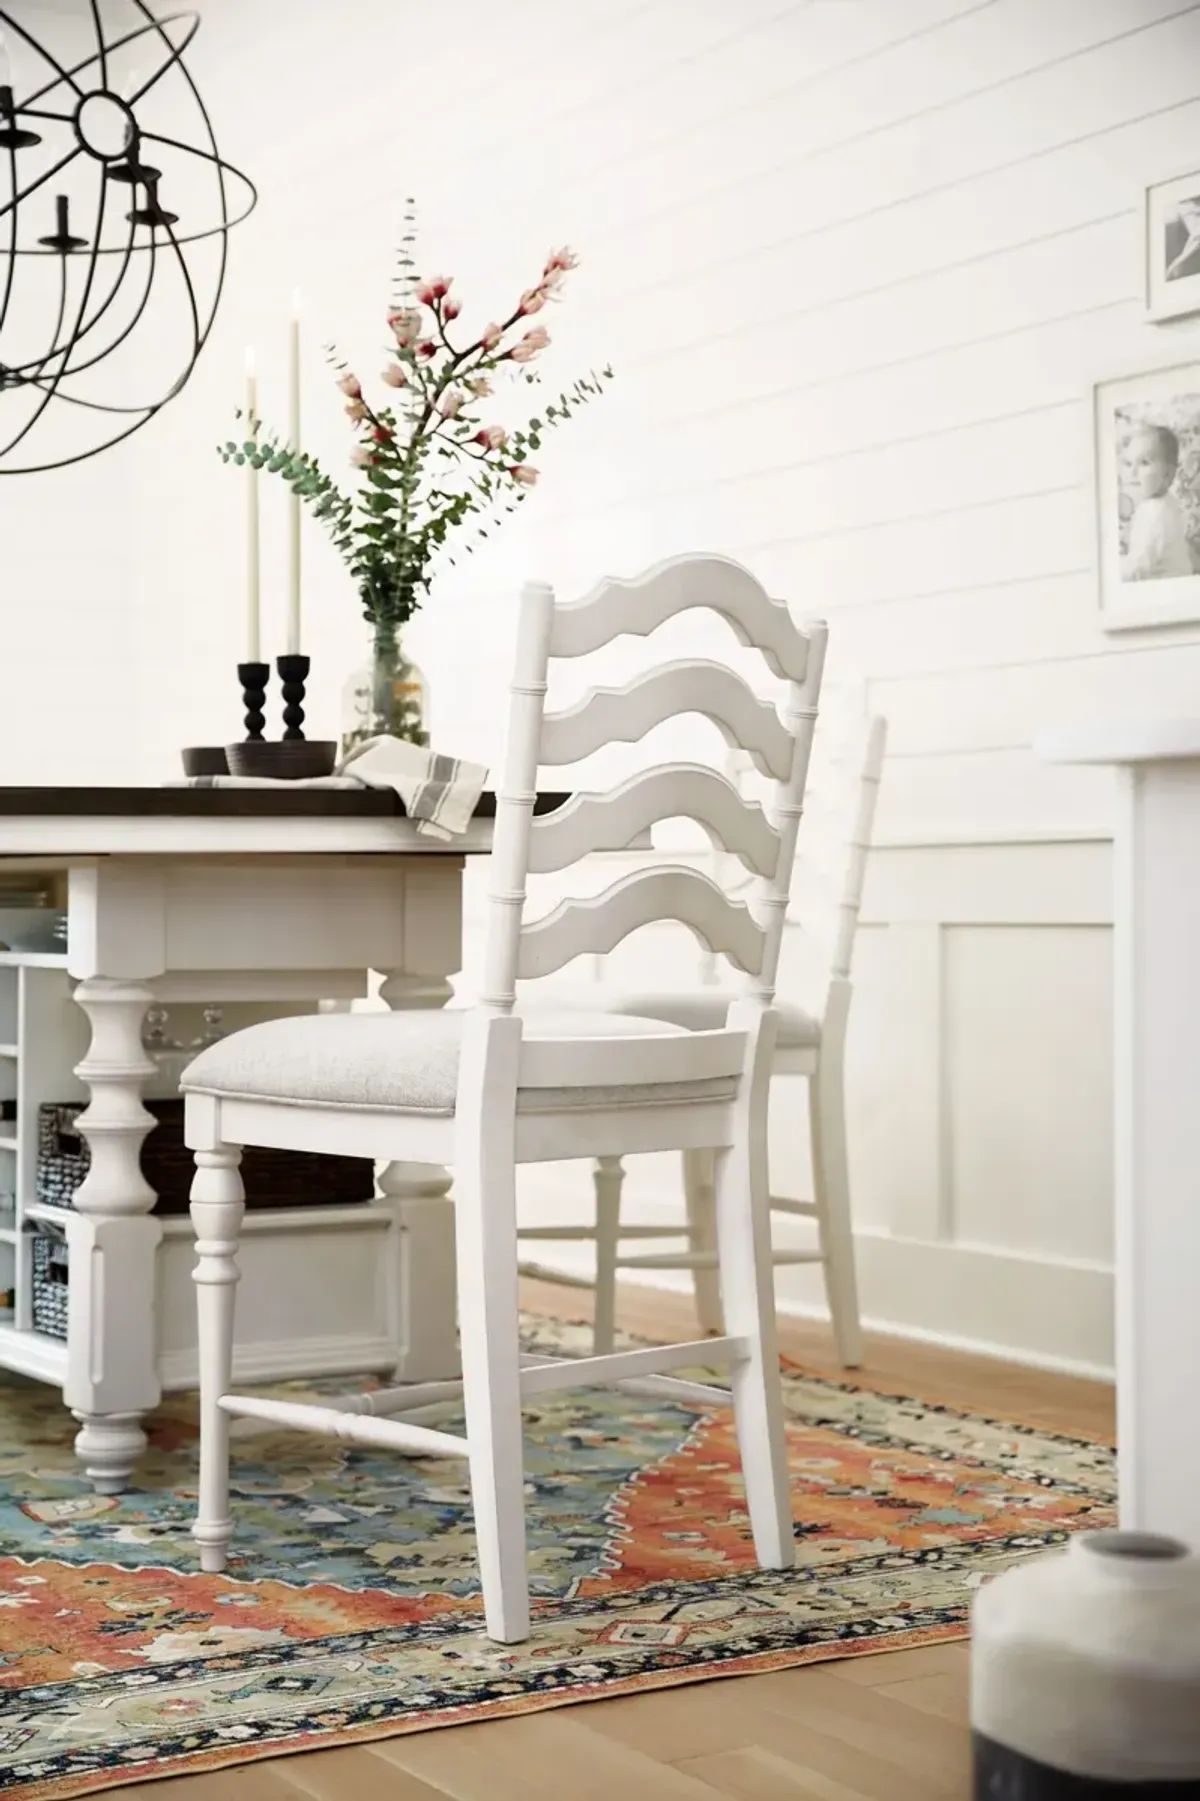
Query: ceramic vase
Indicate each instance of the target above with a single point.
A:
(1085, 1674)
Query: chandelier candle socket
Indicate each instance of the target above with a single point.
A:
(436, 469)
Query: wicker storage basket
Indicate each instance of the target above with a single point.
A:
(273, 1178)
(50, 1278)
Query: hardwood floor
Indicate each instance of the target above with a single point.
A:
(886, 1728)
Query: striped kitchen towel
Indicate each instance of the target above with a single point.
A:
(440, 793)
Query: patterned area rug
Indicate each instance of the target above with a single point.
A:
(351, 1611)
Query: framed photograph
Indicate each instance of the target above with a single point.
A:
(1172, 247)
(1145, 442)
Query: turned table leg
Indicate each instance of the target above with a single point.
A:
(419, 1192)
(112, 1378)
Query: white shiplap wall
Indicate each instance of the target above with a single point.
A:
(854, 261)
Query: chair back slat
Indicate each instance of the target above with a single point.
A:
(578, 928)
(613, 821)
(636, 608)
(747, 933)
(625, 715)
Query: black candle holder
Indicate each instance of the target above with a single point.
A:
(293, 673)
(254, 678)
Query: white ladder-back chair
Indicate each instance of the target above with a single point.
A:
(483, 1090)
(810, 1044)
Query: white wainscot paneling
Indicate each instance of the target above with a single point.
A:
(1027, 1062)
(979, 1100)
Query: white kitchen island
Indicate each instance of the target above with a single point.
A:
(272, 897)
(1156, 929)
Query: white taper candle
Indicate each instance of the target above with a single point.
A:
(293, 620)
(253, 579)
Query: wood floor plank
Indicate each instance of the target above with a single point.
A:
(355, 1774)
(866, 1719)
(893, 1666)
(675, 1723)
(245, 1782)
(547, 1757)
(723, 1718)
(758, 1775)
(945, 1694)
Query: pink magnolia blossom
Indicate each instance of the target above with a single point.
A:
(492, 437)
(451, 308)
(426, 349)
(450, 403)
(524, 475)
(350, 386)
(480, 386)
(361, 458)
(533, 341)
(491, 336)
(406, 324)
(383, 434)
(561, 260)
(436, 288)
(394, 376)
(532, 300)
(356, 410)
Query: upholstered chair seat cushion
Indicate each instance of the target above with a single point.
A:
(705, 1010)
(407, 1062)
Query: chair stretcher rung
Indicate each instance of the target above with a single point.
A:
(804, 1209)
(385, 1402)
(670, 1388)
(539, 1375)
(668, 1260)
(352, 1428)
(542, 1272)
(587, 1234)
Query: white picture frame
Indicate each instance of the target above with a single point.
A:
(1171, 247)
(1143, 430)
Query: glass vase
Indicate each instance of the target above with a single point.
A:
(387, 697)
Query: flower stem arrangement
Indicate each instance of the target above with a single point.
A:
(436, 467)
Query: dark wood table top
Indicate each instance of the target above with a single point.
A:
(280, 802)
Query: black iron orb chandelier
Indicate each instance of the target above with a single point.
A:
(114, 234)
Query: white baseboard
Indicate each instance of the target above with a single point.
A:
(1046, 1315)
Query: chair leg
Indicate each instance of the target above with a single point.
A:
(217, 1206)
(609, 1177)
(702, 1236)
(831, 1190)
(485, 1211)
(744, 1242)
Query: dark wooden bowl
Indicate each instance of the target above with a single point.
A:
(284, 760)
(204, 759)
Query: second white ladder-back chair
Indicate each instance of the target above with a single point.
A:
(808, 1044)
(483, 1090)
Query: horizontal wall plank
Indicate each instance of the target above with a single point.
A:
(1061, 884)
(993, 791)
(1003, 708)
